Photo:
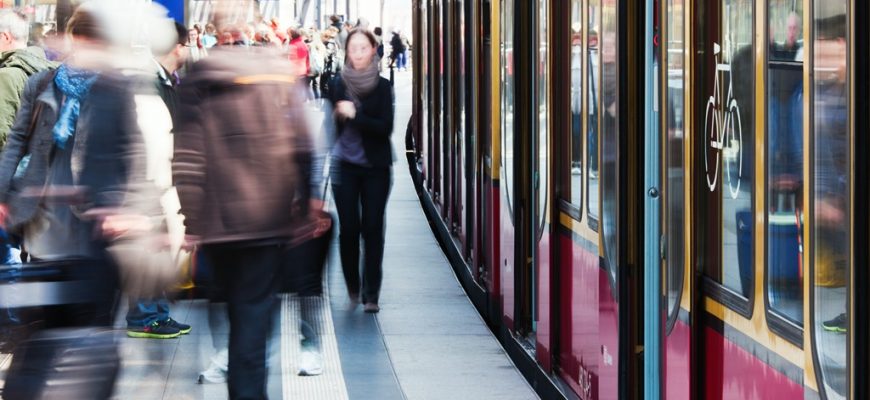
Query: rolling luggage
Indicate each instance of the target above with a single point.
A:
(62, 343)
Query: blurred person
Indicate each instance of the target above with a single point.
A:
(331, 61)
(788, 49)
(299, 56)
(831, 206)
(18, 62)
(363, 104)
(379, 36)
(397, 54)
(209, 38)
(74, 153)
(316, 60)
(197, 51)
(245, 193)
(149, 318)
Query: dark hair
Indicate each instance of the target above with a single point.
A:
(182, 33)
(378, 31)
(84, 24)
(368, 34)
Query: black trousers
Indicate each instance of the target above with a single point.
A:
(361, 195)
(246, 274)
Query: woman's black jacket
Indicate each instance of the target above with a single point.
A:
(373, 120)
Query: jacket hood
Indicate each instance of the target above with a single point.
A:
(30, 59)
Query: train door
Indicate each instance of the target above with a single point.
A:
(507, 194)
(539, 278)
(676, 334)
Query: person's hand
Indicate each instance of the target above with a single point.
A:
(190, 242)
(113, 226)
(829, 213)
(4, 213)
(345, 109)
(315, 205)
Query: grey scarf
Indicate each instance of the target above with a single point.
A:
(360, 82)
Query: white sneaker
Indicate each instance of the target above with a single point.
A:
(310, 363)
(212, 375)
(217, 370)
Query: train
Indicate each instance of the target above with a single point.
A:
(654, 199)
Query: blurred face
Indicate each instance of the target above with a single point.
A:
(360, 51)
(192, 36)
(792, 30)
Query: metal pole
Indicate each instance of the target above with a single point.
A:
(652, 236)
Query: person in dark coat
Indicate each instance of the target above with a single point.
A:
(363, 104)
(242, 169)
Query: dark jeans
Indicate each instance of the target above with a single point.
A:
(144, 312)
(361, 195)
(246, 274)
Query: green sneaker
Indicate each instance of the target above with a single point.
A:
(157, 330)
(183, 328)
(837, 324)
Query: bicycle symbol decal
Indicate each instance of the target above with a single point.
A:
(722, 124)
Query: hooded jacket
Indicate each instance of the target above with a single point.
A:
(16, 67)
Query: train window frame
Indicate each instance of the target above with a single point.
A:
(778, 323)
(718, 291)
(852, 90)
(673, 312)
(592, 219)
(565, 157)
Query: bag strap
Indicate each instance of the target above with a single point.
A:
(37, 108)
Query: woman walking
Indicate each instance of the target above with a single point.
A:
(363, 156)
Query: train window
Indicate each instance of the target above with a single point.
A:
(507, 102)
(609, 135)
(575, 185)
(785, 161)
(542, 146)
(593, 79)
(831, 213)
(674, 155)
(726, 117)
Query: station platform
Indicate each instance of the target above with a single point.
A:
(428, 341)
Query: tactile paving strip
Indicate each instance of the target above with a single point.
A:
(328, 386)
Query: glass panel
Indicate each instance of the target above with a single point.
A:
(609, 134)
(785, 147)
(575, 186)
(674, 158)
(593, 107)
(831, 181)
(507, 101)
(543, 77)
(728, 123)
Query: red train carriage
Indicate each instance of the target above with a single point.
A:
(533, 129)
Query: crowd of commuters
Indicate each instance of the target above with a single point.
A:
(194, 144)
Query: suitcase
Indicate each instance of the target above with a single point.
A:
(60, 337)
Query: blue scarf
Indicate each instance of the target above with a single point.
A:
(74, 84)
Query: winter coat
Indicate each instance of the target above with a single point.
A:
(105, 155)
(15, 67)
(242, 164)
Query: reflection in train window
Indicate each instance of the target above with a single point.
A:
(831, 194)
(576, 185)
(593, 78)
(674, 182)
(785, 161)
(728, 138)
(609, 135)
(507, 102)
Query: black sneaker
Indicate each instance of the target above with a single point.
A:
(184, 329)
(837, 324)
(157, 330)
